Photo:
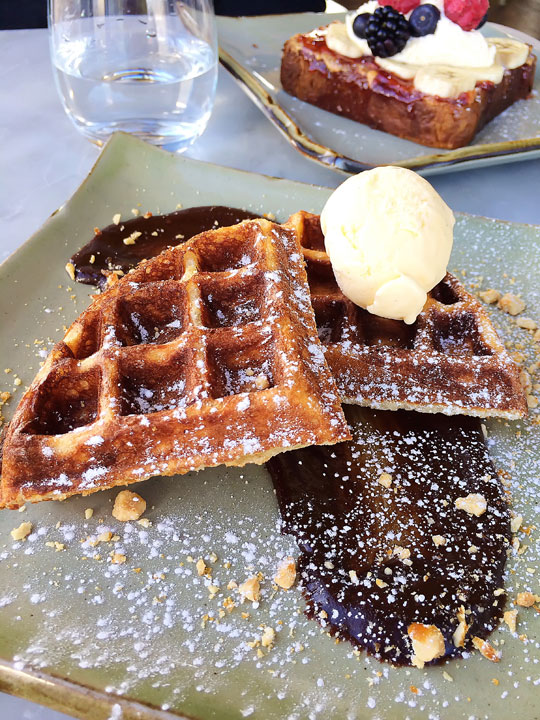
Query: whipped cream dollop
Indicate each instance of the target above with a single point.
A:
(389, 235)
(445, 63)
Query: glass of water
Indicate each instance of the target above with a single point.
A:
(147, 67)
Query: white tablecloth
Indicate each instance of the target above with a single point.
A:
(43, 159)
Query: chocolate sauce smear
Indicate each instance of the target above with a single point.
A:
(107, 251)
(377, 553)
(369, 563)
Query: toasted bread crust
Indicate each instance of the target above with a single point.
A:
(362, 91)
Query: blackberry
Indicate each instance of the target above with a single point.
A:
(482, 22)
(387, 32)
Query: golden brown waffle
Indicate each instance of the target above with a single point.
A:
(206, 354)
(450, 360)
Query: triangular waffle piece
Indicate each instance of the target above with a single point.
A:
(449, 361)
(203, 355)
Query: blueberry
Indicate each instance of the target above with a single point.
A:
(360, 24)
(482, 22)
(424, 19)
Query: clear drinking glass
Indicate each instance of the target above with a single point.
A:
(148, 67)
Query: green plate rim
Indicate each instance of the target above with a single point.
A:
(57, 692)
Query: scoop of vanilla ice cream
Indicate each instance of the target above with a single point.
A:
(389, 236)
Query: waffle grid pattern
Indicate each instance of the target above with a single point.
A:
(205, 355)
(450, 360)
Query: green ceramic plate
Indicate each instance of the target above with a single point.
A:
(250, 48)
(98, 640)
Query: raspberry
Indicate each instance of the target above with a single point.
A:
(402, 6)
(466, 13)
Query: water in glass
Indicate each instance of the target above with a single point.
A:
(147, 75)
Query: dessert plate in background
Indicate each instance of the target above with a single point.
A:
(136, 640)
(250, 49)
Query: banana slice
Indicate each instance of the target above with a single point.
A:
(338, 40)
(402, 70)
(510, 53)
(448, 82)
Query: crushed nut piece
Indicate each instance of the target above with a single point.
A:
(130, 240)
(511, 304)
(201, 566)
(250, 589)
(510, 618)
(118, 558)
(525, 380)
(385, 480)
(490, 296)
(515, 523)
(532, 401)
(88, 513)
(427, 643)
(486, 649)
(526, 323)
(24, 529)
(401, 552)
(458, 638)
(70, 269)
(229, 604)
(286, 573)
(474, 504)
(268, 636)
(116, 218)
(128, 506)
(57, 545)
(525, 599)
(261, 382)
(438, 539)
(380, 583)
(105, 536)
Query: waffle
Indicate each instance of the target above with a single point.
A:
(203, 355)
(449, 361)
(359, 89)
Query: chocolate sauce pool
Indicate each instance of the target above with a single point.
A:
(354, 533)
(107, 251)
(369, 564)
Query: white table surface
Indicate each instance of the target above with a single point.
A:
(43, 159)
